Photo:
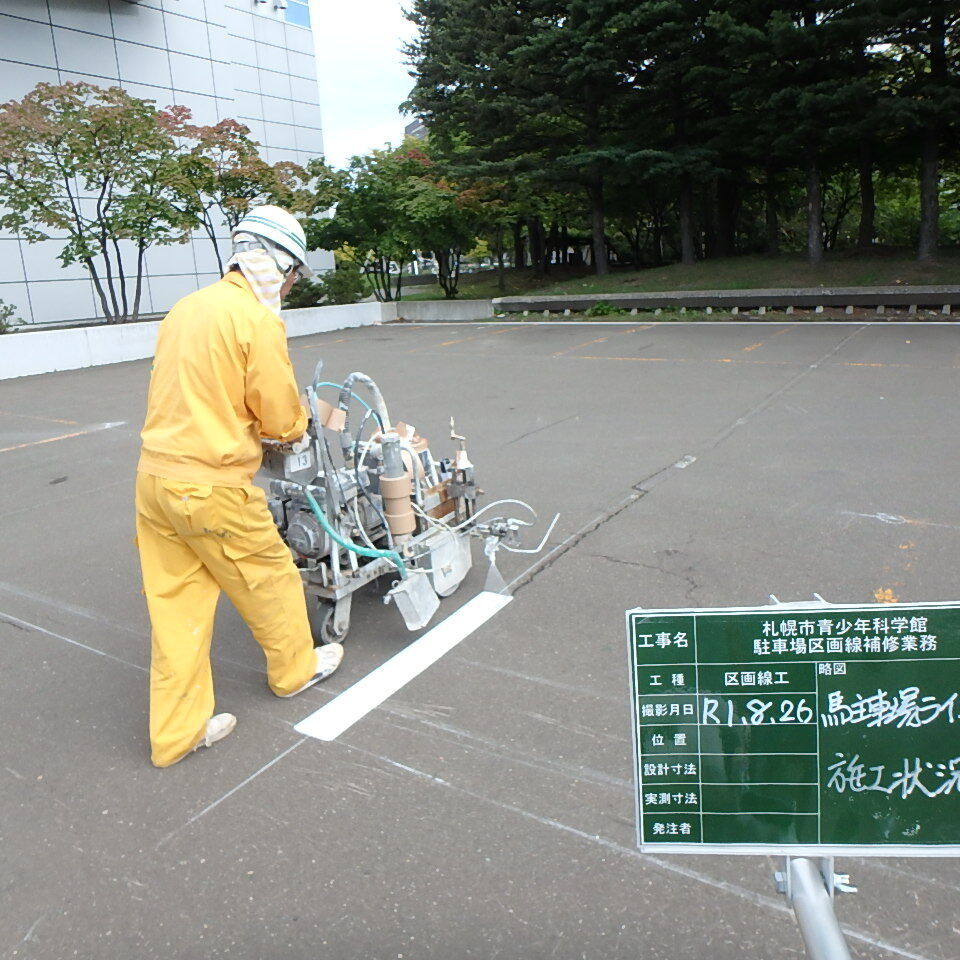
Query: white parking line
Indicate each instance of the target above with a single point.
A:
(357, 701)
(65, 436)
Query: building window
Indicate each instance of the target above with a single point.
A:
(298, 12)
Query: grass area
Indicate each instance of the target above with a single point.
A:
(879, 268)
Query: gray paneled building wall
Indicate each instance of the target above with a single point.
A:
(252, 60)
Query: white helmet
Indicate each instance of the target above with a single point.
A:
(279, 227)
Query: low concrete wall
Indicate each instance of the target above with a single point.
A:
(443, 310)
(900, 296)
(308, 320)
(26, 354)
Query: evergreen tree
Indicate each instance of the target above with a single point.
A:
(717, 108)
(535, 87)
(664, 59)
(924, 35)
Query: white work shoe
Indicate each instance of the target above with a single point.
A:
(329, 657)
(217, 728)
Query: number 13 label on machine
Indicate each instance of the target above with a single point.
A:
(798, 728)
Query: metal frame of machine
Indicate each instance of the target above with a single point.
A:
(385, 506)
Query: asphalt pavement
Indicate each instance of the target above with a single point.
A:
(487, 809)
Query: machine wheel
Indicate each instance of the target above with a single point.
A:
(320, 614)
(457, 554)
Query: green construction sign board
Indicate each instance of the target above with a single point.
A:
(796, 726)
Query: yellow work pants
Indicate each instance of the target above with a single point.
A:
(195, 540)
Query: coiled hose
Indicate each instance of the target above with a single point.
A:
(391, 555)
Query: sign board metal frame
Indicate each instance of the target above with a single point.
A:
(840, 706)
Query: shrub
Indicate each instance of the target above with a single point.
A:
(604, 309)
(7, 319)
(304, 293)
(343, 285)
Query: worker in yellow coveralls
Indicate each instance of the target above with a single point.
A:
(221, 380)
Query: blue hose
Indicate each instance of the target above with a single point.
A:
(391, 555)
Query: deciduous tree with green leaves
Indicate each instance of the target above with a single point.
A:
(223, 175)
(97, 167)
(445, 217)
(495, 203)
(371, 225)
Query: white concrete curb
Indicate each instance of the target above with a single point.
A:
(309, 320)
(26, 354)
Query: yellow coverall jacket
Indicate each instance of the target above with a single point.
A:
(221, 379)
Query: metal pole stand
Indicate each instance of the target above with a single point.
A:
(809, 886)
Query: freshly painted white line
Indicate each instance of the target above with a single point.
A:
(357, 701)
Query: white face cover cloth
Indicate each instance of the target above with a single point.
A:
(264, 264)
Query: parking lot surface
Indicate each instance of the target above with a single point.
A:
(487, 809)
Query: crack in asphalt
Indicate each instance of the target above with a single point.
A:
(546, 426)
(683, 575)
(548, 560)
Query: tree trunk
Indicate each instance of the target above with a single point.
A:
(519, 254)
(98, 286)
(501, 278)
(455, 286)
(929, 195)
(551, 247)
(636, 243)
(868, 197)
(598, 228)
(814, 212)
(371, 274)
(727, 201)
(771, 216)
(448, 271)
(122, 276)
(443, 270)
(535, 233)
(114, 315)
(930, 151)
(211, 232)
(688, 250)
(104, 243)
(709, 221)
(141, 250)
(378, 271)
(657, 238)
(396, 294)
